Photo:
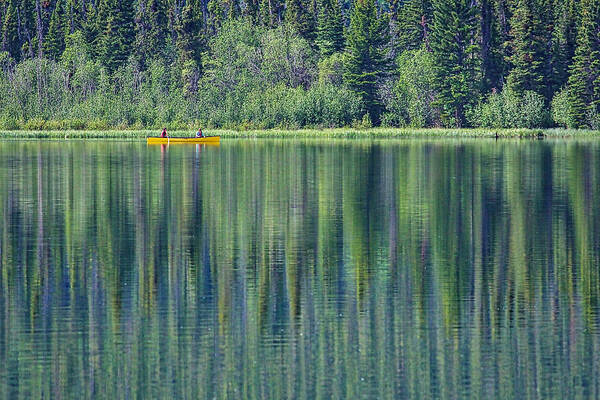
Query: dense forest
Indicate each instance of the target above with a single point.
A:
(297, 63)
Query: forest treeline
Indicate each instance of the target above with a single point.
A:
(299, 63)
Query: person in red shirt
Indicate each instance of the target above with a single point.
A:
(164, 133)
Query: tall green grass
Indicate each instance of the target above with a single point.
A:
(342, 133)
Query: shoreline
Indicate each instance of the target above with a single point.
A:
(335, 133)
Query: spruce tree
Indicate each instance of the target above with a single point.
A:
(492, 63)
(189, 46)
(118, 36)
(10, 34)
(151, 23)
(252, 10)
(330, 28)
(364, 65)
(299, 15)
(54, 42)
(216, 16)
(270, 12)
(563, 43)
(527, 48)
(456, 52)
(584, 80)
(74, 12)
(231, 8)
(413, 24)
(26, 27)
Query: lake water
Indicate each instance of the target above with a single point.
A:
(265, 269)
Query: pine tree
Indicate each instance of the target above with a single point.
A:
(74, 11)
(151, 22)
(527, 48)
(584, 80)
(456, 51)
(330, 28)
(412, 26)
(117, 38)
(216, 16)
(492, 63)
(364, 65)
(231, 8)
(26, 27)
(271, 12)
(563, 43)
(10, 34)
(299, 15)
(92, 29)
(54, 42)
(189, 46)
(252, 10)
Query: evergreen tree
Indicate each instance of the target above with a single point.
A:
(584, 81)
(216, 16)
(151, 22)
(54, 42)
(456, 52)
(252, 10)
(231, 8)
(118, 36)
(412, 26)
(74, 12)
(10, 34)
(492, 63)
(563, 43)
(91, 29)
(364, 65)
(299, 16)
(26, 27)
(527, 48)
(189, 46)
(330, 28)
(270, 12)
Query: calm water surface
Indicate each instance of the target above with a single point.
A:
(300, 269)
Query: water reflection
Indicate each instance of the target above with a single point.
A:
(280, 269)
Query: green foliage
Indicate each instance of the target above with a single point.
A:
(412, 24)
(563, 43)
(300, 16)
(236, 52)
(331, 69)
(118, 35)
(286, 58)
(561, 109)
(10, 34)
(512, 109)
(151, 29)
(413, 94)
(54, 43)
(330, 28)
(455, 48)
(584, 81)
(364, 63)
(527, 48)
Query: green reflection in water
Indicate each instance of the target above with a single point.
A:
(289, 269)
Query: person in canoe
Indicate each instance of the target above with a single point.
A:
(199, 134)
(163, 134)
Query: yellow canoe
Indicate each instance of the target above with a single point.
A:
(194, 140)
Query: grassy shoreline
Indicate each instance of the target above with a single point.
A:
(341, 133)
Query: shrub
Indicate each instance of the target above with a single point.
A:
(508, 109)
(561, 109)
(593, 117)
(9, 123)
